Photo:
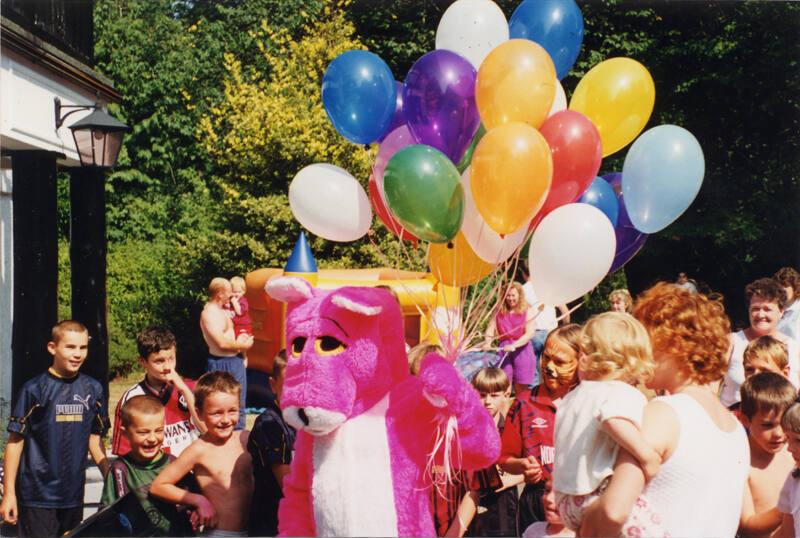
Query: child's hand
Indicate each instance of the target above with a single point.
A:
(245, 341)
(651, 466)
(509, 348)
(531, 470)
(206, 513)
(8, 509)
(172, 377)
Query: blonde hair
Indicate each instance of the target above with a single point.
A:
(625, 295)
(522, 305)
(767, 349)
(212, 382)
(615, 344)
(491, 380)
(790, 421)
(238, 283)
(217, 285)
(766, 392)
(417, 353)
(67, 325)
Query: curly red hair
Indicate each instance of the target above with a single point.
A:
(689, 327)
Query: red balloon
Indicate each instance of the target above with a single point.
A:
(577, 152)
(383, 214)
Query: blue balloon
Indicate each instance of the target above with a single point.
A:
(602, 196)
(662, 175)
(557, 25)
(359, 94)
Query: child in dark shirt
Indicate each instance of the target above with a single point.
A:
(270, 446)
(57, 416)
(490, 507)
(142, 424)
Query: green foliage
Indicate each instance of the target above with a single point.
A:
(224, 102)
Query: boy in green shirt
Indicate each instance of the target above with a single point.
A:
(142, 423)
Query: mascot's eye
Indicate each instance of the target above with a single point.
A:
(328, 345)
(298, 344)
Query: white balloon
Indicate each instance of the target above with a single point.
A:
(485, 242)
(560, 102)
(571, 251)
(330, 203)
(472, 28)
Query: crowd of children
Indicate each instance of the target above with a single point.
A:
(588, 449)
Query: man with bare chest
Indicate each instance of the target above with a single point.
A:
(223, 346)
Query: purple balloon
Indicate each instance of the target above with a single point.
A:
(394, 142)
(439, 102)
(399, 117)
(629, 240)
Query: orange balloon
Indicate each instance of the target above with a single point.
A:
(512, 169)
(516, 82)
(456, 264)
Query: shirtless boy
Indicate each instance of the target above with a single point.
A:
(765, 397)
(224, 347)
(219, 459)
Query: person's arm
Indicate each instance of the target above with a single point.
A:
(178, 382)
(280, 470)
(565, 313)
(466, 511)
(530, 330)
(490, 334)
(165, 487)
(628, 436)
(214, 330)
(98, 452)
(237, 309)
(529, 468)
(8, 508)
(786, 530)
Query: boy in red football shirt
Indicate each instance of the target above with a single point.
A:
(156, 346)
(528, 436)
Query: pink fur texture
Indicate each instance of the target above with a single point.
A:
(367, 428)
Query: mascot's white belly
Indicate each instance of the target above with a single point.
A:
(352, 483)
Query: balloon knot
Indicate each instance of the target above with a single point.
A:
(502, 236)
(450, 245)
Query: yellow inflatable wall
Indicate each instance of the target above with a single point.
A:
(421, 298)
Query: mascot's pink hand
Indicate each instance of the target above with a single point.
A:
(442, 384)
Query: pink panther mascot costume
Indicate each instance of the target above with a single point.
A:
(366, 427)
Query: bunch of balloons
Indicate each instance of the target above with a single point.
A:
(479, 148)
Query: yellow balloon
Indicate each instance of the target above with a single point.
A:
(457, 264)
(516, 82)
(512, 169)
(618, 96)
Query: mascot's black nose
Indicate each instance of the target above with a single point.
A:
(302, 414)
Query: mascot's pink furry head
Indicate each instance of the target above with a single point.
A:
(333, 341)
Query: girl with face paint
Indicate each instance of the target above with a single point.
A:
(528, 436)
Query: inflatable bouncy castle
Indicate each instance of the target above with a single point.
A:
(430, 309)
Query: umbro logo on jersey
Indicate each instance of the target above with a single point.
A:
(539, 422)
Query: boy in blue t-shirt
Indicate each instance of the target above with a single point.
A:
(57, 416)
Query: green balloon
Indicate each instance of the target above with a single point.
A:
(466, 160)
(423, 191)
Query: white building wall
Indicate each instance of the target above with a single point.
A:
(6, 291)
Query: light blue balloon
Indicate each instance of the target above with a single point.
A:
(601, 195)
(359, 95)
(662, 175)
(557, 25)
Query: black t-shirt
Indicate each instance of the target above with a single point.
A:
(271, 442)
(56, 416)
